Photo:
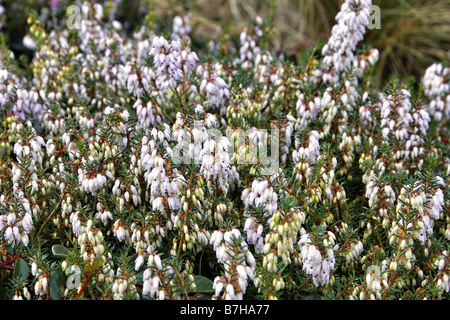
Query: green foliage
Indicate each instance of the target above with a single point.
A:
(132, 167)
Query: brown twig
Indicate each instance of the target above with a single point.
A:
(88, 277)
(5, 265)
(48, 218)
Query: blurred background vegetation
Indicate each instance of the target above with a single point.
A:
(413, 33)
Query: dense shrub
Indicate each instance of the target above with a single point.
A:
(133, 167)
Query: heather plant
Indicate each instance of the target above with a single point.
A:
(135, 167)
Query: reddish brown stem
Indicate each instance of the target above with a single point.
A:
(88, 277)
(5, 265)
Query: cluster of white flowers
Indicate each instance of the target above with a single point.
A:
(266, 69)
(41, 284)
(142, 234)
(7, 85)
(261, 193)
(443, 277)
(171, 62)
(239, 263)
(365, 110)
(307, 109)
(254, 230)
(153, 272)
(120, 189)
(353, 250)
(91, 242)
(285, 134)
(32, 147)
(338, 103)
(163, 183)
(103, 213)
(305, 154)
(213, 88)
(338, 53)
(28, 101)
(249, 44)
(395, 115)
(362, 63)
(90, 182)
(121, 231)
(400, 119)
(190, 136)
(401, 235)
(25, 293)
(428, 201)
(16, 220)
(124, 285)
(332, 188)
(316, 170)
(279, 242)
(380, 196)
(216, 164)
(148, 114)
(77, 222)
(317, 259)
(16, 215)
(374, 282)
(181, 28)
(307, 151)
(436, 82)
(403, 128)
